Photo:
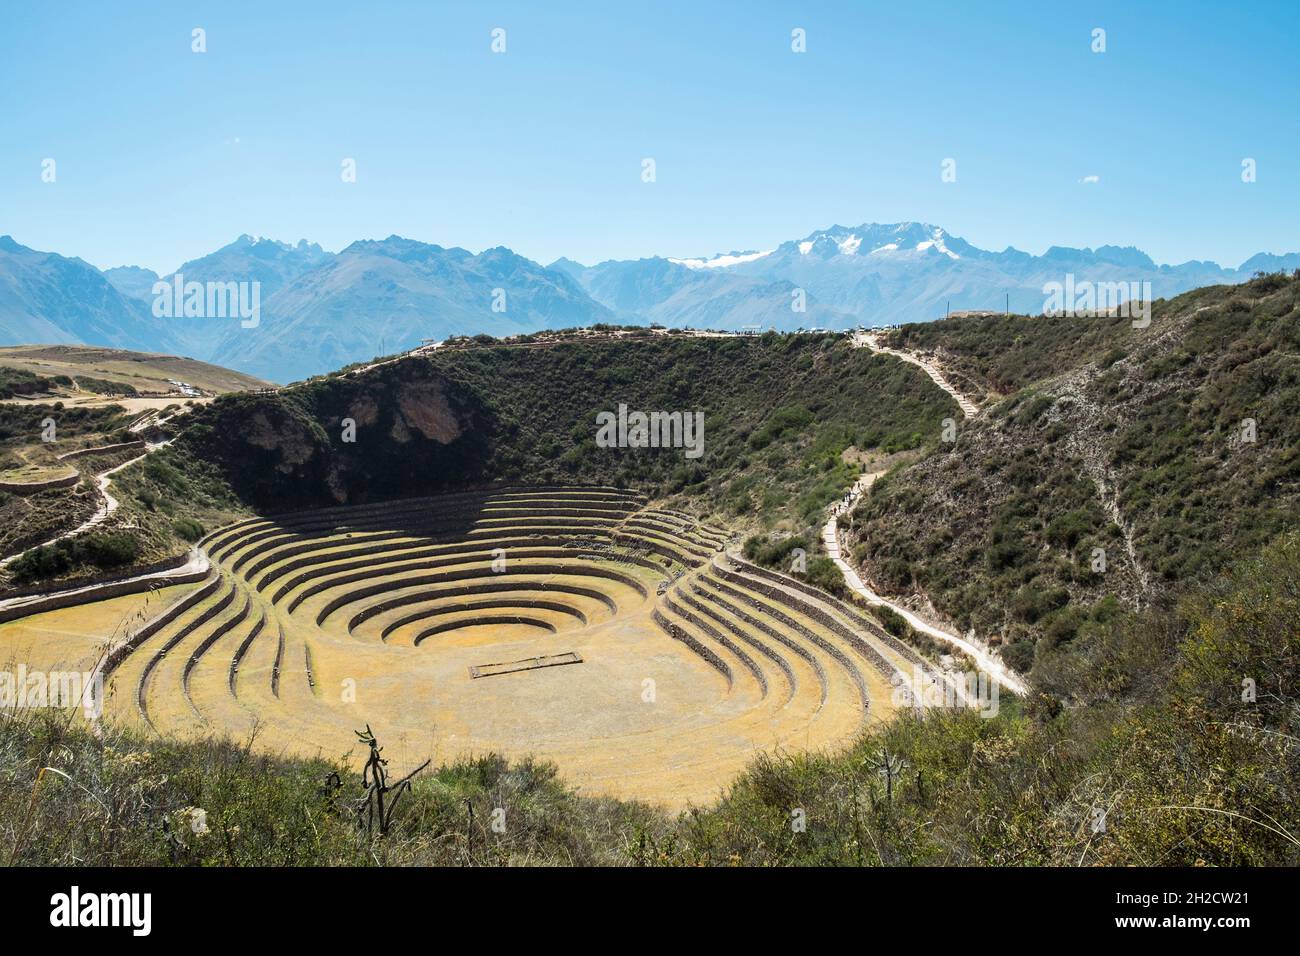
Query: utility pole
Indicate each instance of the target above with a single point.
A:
(1008, 303)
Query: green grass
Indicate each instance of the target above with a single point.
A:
(128, 801)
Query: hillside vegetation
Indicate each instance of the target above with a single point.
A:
(28, 519)
(1125, 466)
(121, 370)
(779, 412)
(17, 381)
(61, 399)
(1161, 727)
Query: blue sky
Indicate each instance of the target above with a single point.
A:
(164, 154)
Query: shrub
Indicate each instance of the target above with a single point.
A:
(103, 550)
(188, 529)
(771, 553)
(892, 621)
(822, 573)
(1019, 655)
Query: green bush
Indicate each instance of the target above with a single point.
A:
(102, 550)
(772, 554)
(188, 529)
(823, 573)
(892, 621)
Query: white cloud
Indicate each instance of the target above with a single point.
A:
(1090, 179)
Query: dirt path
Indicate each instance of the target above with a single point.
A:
(1109, 496)
(198, 561)
(107, 506)
(977, 652)
(980, 654)
(868, 340)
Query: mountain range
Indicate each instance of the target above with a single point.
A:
(320, 310)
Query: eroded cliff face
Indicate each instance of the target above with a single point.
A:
(394, 431)
(291, 446)
(364, 411)
(424, 408)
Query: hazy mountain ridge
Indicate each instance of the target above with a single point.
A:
(320, 310)
(670, 293)
(268, 262)
(383, 296)
(51, 299)
(134, 282)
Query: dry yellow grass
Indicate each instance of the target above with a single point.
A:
(34, 473)
(74, 638)
(669, 718)
(147, 371)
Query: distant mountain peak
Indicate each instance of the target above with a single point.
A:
(876, 274)
(565, 264)
(49, 298)
(262, 243)
(1125, 256)
(395, 246)
(874, 238)
(134, 282)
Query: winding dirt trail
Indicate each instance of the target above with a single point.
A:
(198, 562)
(107, 506)
(869, 340)
(977, 652)
(981, 655)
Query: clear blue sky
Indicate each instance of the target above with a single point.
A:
(163, 154)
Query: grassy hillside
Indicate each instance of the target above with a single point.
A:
(1164, 686)
(139, 371)
(1159, 762)
(28, 519)
(787, 421)
(92, 395)
(779, 413)
(1174, 449)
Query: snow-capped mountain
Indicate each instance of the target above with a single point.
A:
(885, 273)
(701, 294)
(320, 310)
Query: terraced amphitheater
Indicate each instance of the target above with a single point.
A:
(577, 624)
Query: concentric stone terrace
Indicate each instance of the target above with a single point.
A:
(572, 623)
